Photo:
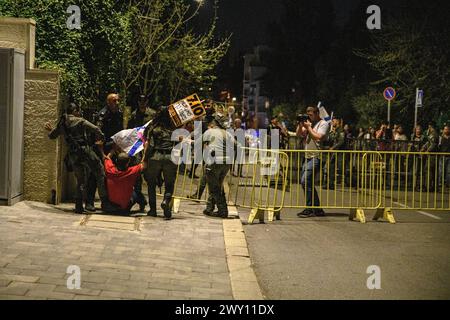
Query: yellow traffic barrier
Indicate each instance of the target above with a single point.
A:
(268, 181)
(342, 179)
(258, 182)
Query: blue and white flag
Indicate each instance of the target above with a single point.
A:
(323, 113)
(131, 141)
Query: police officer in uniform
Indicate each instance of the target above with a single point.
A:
(217, 167)
(336, 140)
(431, 145)
(157, 153)
(418, 140)
(110, 121)
(142, 115)
(92, 182)
(210, 113)
(81, 157)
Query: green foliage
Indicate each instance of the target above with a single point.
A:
(410, 53)
(168, 61)
(89, 60)
(371, 109)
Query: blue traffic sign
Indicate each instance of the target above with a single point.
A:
(389, 93)
(419, 98)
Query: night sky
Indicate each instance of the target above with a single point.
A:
(247, 19)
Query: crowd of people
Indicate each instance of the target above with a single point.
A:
(99, 164)
(429, 169)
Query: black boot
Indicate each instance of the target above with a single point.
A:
(108, 207)
(79, 206)
(89, 207)
(152, 204)
(209, 208)
(142, 204)
(165, 205)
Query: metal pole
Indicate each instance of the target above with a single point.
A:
(415, 111)
(389, 112)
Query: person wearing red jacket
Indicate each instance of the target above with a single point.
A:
(120, 181)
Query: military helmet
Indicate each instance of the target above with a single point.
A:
(72, 107)
(220, 120)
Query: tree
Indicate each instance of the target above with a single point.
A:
(410, 53)
(370, 109)
(136, 46)
(168, 60)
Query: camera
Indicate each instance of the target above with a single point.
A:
(302, 117)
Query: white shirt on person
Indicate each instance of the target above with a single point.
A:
(323, 128)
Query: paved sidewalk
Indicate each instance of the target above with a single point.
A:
(119, 257)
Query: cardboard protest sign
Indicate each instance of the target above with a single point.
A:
(186, 110)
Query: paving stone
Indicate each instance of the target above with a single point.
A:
(28, 266)
(81, 291)
(176, 260)
(83, 297)
(4, 282)
(14, 297)
(34, 286)
(13, 291)
(52, 280)
(49, 295)
(19, 278)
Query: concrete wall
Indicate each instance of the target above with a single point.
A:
(19, 33)
(43, 157)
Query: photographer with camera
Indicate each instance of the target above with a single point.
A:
(314, 130)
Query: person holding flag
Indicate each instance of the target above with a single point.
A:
(139, 118)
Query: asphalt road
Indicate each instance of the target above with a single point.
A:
(327, 258)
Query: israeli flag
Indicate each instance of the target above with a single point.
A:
(323, 113)
(131, 141)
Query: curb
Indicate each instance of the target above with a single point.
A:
(244, 284)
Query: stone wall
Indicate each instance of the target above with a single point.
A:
(43, 157)
(43, 170)
(19, 33)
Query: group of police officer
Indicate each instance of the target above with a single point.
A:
(89, 144)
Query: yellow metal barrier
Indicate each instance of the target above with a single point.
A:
(359, 180)
(414, 180)
(270, 180)
(259, 182)
(343, 179)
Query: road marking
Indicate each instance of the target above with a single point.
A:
(430, 215)
(421, 212)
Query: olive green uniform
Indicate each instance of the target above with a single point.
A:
(337, 142)
(429, 165)
(81, 156)
(217, 171)
(138, 119)
(159, 160)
